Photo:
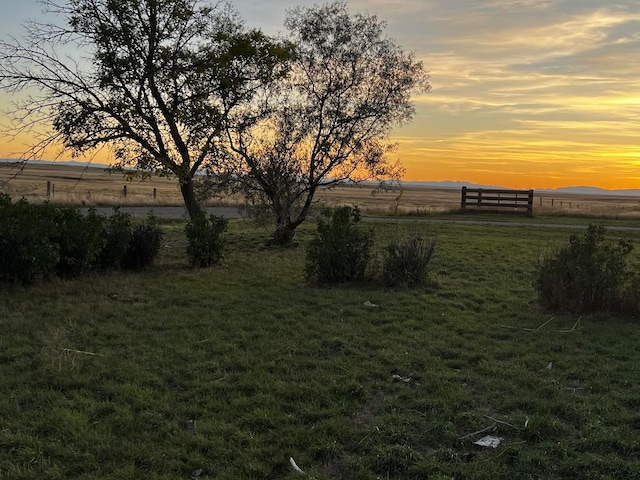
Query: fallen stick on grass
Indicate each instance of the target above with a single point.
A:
(490, 427)
(82, 352)
(501, 422)
(572, 328)
(545, 323)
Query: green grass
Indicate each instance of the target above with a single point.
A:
(226, 373)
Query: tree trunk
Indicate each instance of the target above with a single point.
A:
(189, 196)
(283, 235)
(286, 227)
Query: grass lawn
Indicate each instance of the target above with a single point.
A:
(228, 372)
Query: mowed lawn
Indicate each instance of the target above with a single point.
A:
(228, 372)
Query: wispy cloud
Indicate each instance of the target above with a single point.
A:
(525, 92)
(545, 90)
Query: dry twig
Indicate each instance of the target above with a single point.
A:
(543, 325)
(82, 352)
(501, 422)
(487, 429)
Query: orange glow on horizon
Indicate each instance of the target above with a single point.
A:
(538, 156)
(521, 164)
(510, 166)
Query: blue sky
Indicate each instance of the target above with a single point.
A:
(526, 93)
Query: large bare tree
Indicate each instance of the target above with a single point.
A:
(153, 80)
(327, 121)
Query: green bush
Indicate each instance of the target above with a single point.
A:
(588, 274)
(205, 241)
(144, 246)
(39, 241)
(116, 237)
(406, 263)
(26, 251)
(79, 239)
(341, 249)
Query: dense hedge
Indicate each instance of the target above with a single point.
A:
(39, 241)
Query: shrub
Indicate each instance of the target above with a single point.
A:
(205, 242)
(144, 245)
(26, 250)
(79, 239)
(116, 237)
(588, 274)
(38, 241)
(341, 249)
(406, 263)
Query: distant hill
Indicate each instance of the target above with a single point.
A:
(598, 191)
(448, 184)
(578, 190)
(67, 163)
(452, 184)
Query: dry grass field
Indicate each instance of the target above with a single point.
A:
(92, 186)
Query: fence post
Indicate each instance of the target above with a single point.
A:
(530, 203)
(124, 191)
(48, 189)
(463, 203)
(154, 193)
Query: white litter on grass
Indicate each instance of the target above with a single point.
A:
(401, 379)
(550, 366)
(371, 305)
(526, 422)
(488, 441)
(295, 466)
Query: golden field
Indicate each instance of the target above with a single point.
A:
(92, 186)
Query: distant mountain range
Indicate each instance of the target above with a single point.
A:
(66, 163)
(578, 190)
(629, 192)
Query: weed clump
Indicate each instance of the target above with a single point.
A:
(341, 250)
(406, 263)
(588, 274)
(205, 241)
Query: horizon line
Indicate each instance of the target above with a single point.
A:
(437, 183)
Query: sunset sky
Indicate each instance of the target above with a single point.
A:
(525, 93)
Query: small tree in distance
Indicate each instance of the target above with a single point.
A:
(159, 83)
(327, 121)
